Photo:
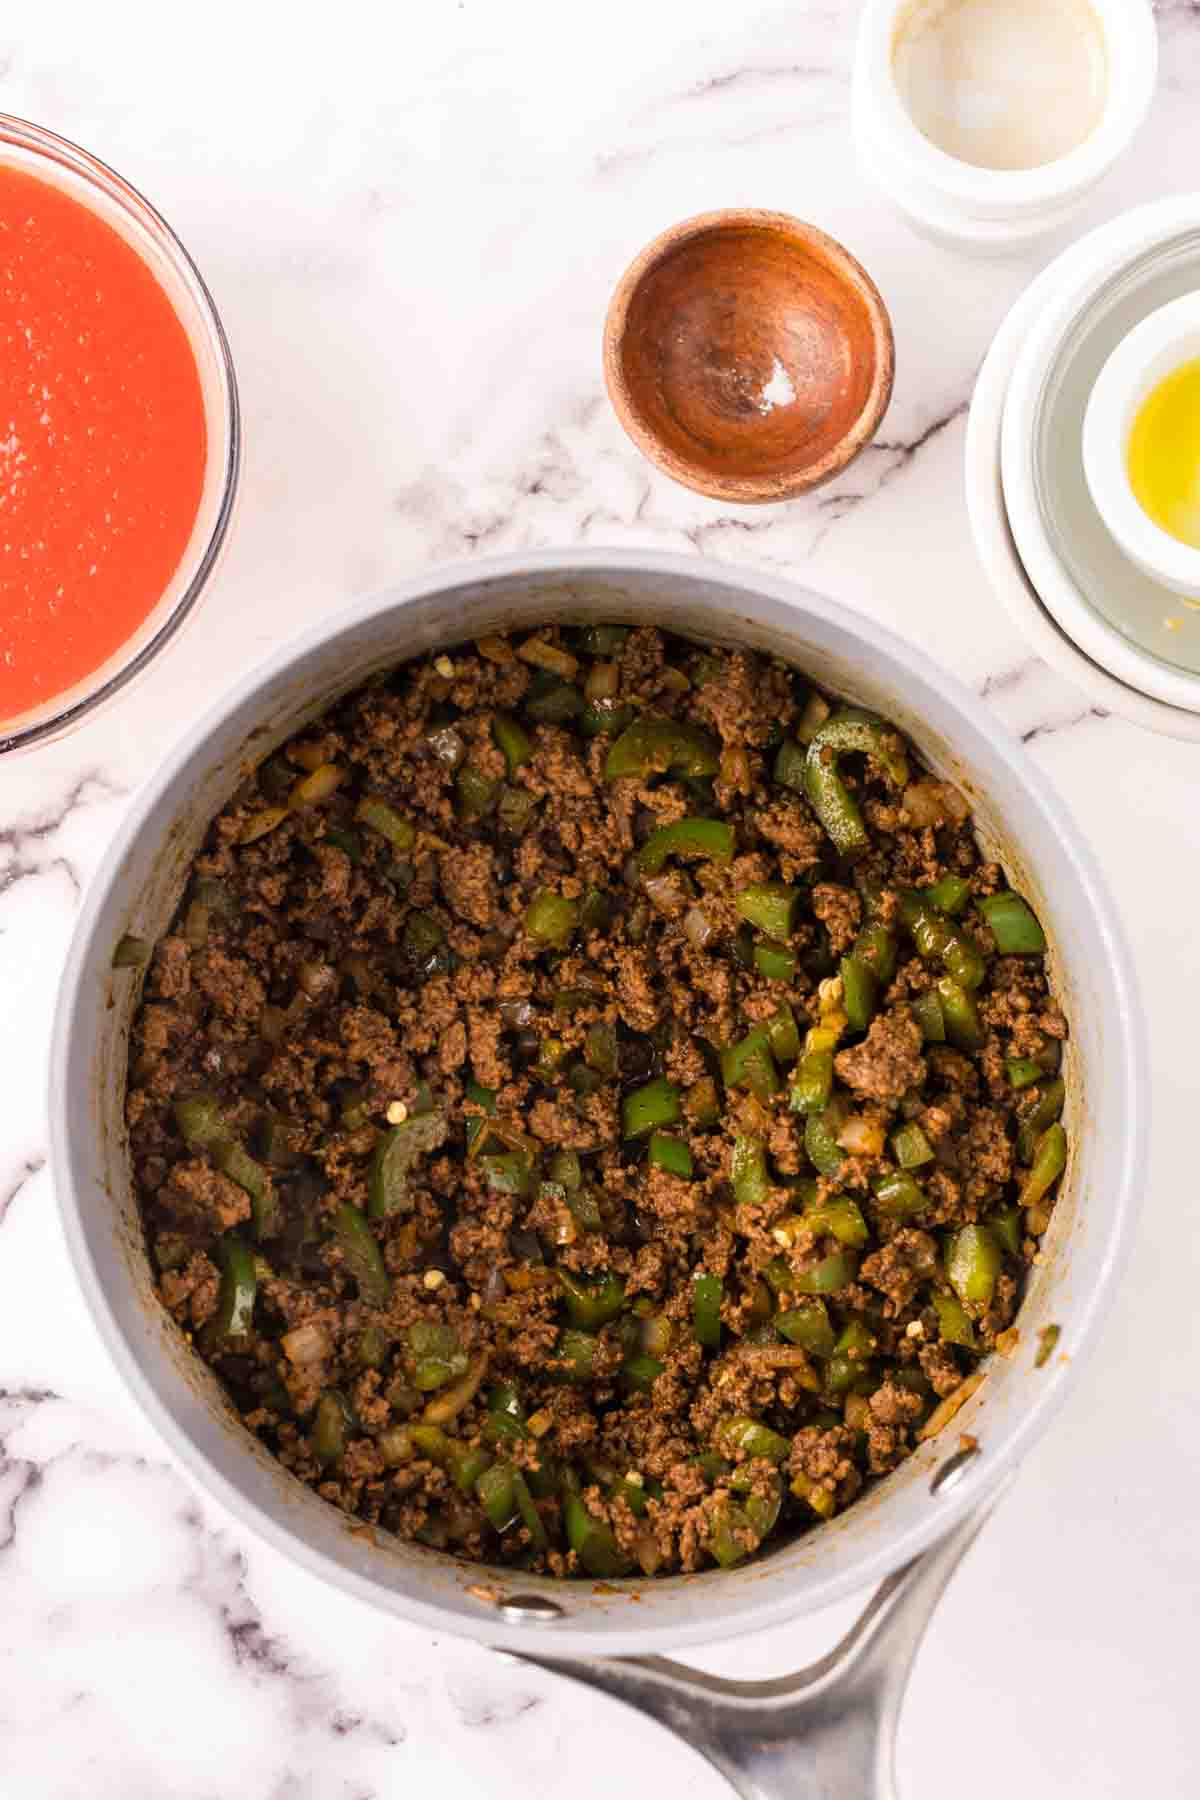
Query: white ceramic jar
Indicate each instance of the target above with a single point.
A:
(993, 211)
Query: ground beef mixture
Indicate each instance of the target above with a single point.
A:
(595, 1105)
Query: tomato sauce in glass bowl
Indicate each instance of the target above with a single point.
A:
(118, 433)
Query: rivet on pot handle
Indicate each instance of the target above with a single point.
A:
(827, 1732)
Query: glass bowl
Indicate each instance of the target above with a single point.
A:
(83, 176)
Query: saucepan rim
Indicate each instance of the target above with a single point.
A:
(761, 1603)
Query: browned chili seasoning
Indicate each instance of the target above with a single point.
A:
(595, 1103)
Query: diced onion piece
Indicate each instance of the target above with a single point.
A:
(396, 1446)
(783, 1357)
(306, 1345)
(698, 927)
(646, 1550)
(932, 803)
(654, 1335)
(941, 1415)
(260, 823)
(665, 892)
(308, 756)
(495, 649)
(548, 656)
(735, 769)
(456, 1399)
(603, 681)
(316, 979)
(316, 787)
(861, 1137)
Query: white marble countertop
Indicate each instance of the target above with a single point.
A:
(412, 218)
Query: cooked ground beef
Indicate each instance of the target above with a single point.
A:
(589, 1109)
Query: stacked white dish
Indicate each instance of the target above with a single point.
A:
(1126, 639)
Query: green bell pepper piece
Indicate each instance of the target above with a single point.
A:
(508, 1172)
(708, 1293)
(953, 1322)
(650, 1108)
(1013, 925)
(860, 992)
(506, 1415)
(849, 1367)
(513, 740)
(783, 1035)
(848, 730)
(386, 822)
(813, 1082)
(361, 1255)
(591, 1304)
(654, 746)
(775, 962)
(875, 946)
(1044, 1111)
(1005, 1226)
(927, 1011)
(973, 1260)
(234, 1315)
(593, 1542)
(731, 1535)
(741, 1432)
(551, 919)
(898, 1195)
(1049, 1161)
(807, 1325)
(769, 906)
(949, 895)
(709, 838)
(530, 1517)
(436, 1354)
(964, 1027)
(474, 794)
(576, 1355)
(911, 1147)
(332, 1426)
(670, 1154)
(820, 1140)
(550, 700)
(497, 1495)
(748, 1172)
(640, 1371)
(750, 1064)
(789, 765)
(395, 1158)
(828, 1276)
(838, 1217)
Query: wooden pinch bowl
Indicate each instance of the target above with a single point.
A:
(748, 355)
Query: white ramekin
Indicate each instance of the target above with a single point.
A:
(995, 211)
(997, 550)
(1162, 342)
(1075, 278)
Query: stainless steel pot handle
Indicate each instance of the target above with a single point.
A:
(827, 1732)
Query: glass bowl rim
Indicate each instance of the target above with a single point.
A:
(25, 134)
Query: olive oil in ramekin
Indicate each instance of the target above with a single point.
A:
(1164, 454)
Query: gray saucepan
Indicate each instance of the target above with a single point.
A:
(826, 1731)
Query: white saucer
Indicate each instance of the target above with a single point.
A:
(1119, 615)
(994, 540)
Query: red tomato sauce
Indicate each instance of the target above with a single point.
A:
(102, 441)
